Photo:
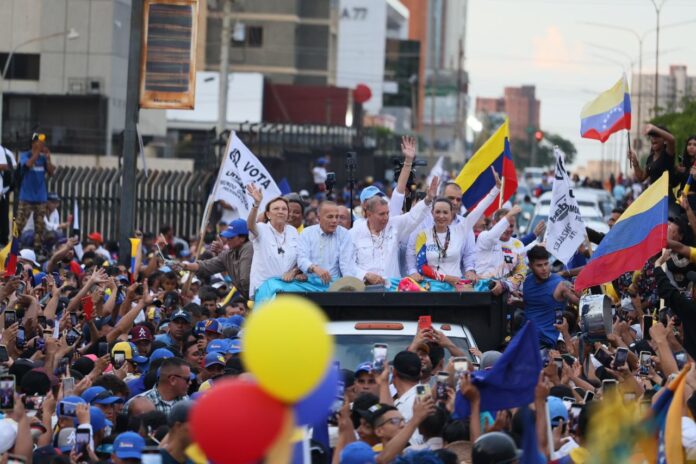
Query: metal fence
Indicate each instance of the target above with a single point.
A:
(163, 197)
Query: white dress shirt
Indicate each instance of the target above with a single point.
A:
(331, 252)
(274, 253)
(495, 258)
(379, 254)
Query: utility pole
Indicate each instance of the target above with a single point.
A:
(128, 169)
(224, 66)
(458, 126)
(658, 9)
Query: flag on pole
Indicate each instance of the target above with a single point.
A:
(565, 230)
(476, 178)
(437, 171)
(76, 230)
(608, 113)
(240, 168)
(11, 252)
(135, 252)
(639, 234)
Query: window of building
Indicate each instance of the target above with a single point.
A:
(247, 36)
(24, 66)
(255, 36)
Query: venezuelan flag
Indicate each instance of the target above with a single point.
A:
(640, 233)
(608, 113)
(135, 247)
(476, 178)
(421, 257)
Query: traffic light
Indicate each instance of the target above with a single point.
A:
(538, 136)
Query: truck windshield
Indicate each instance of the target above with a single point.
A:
(351, 350)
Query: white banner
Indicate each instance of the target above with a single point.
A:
(438, 171)
(240, 168)
(565, 229)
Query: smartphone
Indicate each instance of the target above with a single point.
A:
(33, 403)
(21, 288)
(441, 386)
(7, 392)
(379, 354)
(73, 320)
(620, 358)
(589, 396)
(102, 349)
(67, 409)
(603, 357)
(81, 440)
(569, 360)
(568, 399)
(559, 317)
(21, 338)
(151, 455)
(68, 386)
(4, 355)
(10, 318)
(42, 321)
(40, 344)
(608, 384)
(645, 361)
(425, 322)
(461, 366)
(647, 323)
(422, 391)
(119, 358)
(681, 359)
(559, 363)
(63, 363)
(72, 336)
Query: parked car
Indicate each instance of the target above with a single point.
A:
(591, 215)
(601, 200)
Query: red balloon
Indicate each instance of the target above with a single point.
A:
(236, 422)
(362, 93)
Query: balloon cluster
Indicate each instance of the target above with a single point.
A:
(286, 346)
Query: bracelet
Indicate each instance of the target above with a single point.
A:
(254, 206)
(409, 164)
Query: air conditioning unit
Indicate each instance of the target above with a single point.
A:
(76, 86)
(94, 86)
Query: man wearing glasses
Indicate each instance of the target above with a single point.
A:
(33, 194)
(172, 385)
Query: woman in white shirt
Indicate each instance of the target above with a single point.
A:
(274, 241)
(436, 251)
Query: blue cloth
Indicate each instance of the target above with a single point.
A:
(269, 288)
(284, 186)
(530, 446)
(529, 238)
(332, 252)
(510, 383)
(578, 260)
(33, 188)
(540, 306)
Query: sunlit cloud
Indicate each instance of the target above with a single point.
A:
(553, 52)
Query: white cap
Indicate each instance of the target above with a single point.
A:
(28, 254)
(8, 434)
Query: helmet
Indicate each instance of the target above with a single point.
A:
(494, 448)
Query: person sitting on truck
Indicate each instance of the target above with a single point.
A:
(365, 380)
(499, 256)
(376, 240)
(545, 294)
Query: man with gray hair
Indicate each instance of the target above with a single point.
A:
(376, 240)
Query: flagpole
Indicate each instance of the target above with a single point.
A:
(206, 213)
(502, 190)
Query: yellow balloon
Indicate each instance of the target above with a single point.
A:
(286, 345)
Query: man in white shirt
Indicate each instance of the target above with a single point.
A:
(325, 250)
(405, 378)
(499, 255)
(376, 240)
(319, 175)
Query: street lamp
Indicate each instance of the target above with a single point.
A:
(658, 9)
(70, 34)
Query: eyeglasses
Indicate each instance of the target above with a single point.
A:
(185, 379)
(393, 421)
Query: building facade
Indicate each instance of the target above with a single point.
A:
(521, 107)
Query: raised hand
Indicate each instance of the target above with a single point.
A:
(255, 192)
(408, 148)
(498, 182)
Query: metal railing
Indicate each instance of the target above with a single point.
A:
(164, 197)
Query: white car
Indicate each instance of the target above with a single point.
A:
(600, 200)
(591, 215)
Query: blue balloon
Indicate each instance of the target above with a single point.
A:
(316, 406)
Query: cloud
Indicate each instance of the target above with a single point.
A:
(552, 52)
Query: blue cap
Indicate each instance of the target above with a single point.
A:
(220, 345)
(97, 419)
(181, 314)
(199, 328)
(236, 227)
(214, 358)
(214, 326)
(369, 192)
(160, 353)
(358, 452)
(37, 278)
(236, 320)
(364, 367)
(100, 395)
(234, 346)
(129, 445)
(557, 410)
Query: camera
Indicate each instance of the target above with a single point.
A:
(330, 181)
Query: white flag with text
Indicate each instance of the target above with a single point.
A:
(240, 168)
(565, 229)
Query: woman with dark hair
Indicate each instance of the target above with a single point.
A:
(661, 157)
(687, 162)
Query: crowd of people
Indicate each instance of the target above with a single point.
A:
(100, 361)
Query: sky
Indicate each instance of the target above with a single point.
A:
(545, 43)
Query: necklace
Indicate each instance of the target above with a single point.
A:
(279, 245)
(441, 251)
(377, 243)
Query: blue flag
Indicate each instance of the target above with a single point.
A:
(284, 186)
(530, 445)
(510, 383)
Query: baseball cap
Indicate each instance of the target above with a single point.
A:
(179, 412)
(408, 365)
(130, 350)
(369, 192)
(65, 440)
(129, 445)
(28, 254)
(8, 434)
(234, 346)
(160, 353)
(96, 237)
(364, 367)
(140, 332)
(375, 411)
(236, 227)
(489, 358)
(100, 395)
(557, 410)
(213, 326)
(220, 345)
(357, 452)
(53, 196)
(214, 358)
(199, 329)
(181, 314)
(97, 419)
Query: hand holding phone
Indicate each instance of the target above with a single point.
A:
(425, 323)
(7, 392)
(379, 355)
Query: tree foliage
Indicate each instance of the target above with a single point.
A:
(682, 124)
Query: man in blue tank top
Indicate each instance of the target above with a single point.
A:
(544, 294)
